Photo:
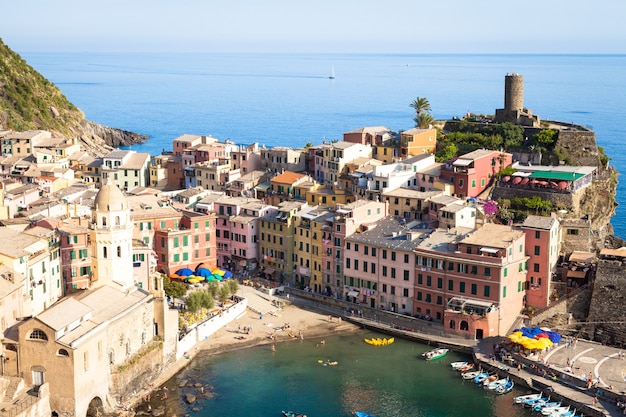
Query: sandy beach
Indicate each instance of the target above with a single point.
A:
(276, 326)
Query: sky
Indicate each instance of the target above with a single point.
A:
(316, 26)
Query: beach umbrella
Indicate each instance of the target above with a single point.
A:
(562, 185)
(228, 274)
(525, 180)
(218, 271)
(175, 276)
(184, 272)
(517, 180)
(553, 184)
(203, 272)
(506, 178)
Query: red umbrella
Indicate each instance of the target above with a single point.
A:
(562, 185)
(517, 180)
(534, 182)
(544, 183)
(525, 180)
(506, 178)
(553, 184)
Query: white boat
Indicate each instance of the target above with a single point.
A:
(497, 383)
(470, 374)
(458, 365)
(568, 413)
(547, 405)
(521, 398)
(332, 74)
(557, 410)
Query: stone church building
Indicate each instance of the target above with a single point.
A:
(96, 345)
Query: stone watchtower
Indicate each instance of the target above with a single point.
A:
(514, 110)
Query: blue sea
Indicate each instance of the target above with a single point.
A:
(389, 381)
(289, 99)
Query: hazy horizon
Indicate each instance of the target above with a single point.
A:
(324, 26)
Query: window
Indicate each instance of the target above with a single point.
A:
(63, 352)
(384, 253)
(537, 234)
(450, 285)
(537, 250)
(462, 287)
(487, 291)
(393, 256)
(429, 281)
(474, 289)
(406, 258)
(487, 271)
(393, 272)
(535, 267)
(37, 334)
(406, 275)
(384, 270)
(440, 283)
(504, 292)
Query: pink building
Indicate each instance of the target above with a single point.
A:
(246, 158)
(472, 173)
(380, 265)
(237, 231)
(349, 219)
(471, 281)
(190, 245)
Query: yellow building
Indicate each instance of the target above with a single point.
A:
(417, 141)
(276, 240)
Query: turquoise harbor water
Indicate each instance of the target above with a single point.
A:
(288, 99)
(391, 381)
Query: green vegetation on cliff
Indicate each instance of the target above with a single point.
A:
(28, 101)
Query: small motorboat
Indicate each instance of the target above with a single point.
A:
(470, 374)
(362, 414)
(506, 388)
(568, 413)
(495, 384)
(466, 368)
(554, 411)
(536, 401)
(434, 354)
(490, 379)
(458, 365)
(548, 405)
(521, 398)
(478, 379)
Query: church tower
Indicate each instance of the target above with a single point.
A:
(112, 239)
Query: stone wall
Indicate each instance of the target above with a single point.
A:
(607, 310)
(559, 200)
(580, 145)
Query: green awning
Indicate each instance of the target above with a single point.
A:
(556, 175)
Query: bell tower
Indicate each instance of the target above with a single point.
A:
(111, 239)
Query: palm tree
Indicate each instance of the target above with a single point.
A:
(420, 104)
(423, 120)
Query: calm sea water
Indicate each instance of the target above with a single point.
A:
(391, 381)
(288, 99)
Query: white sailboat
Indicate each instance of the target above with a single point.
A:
(332, 73)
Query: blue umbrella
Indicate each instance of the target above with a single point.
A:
(228, 274)
(184, 272)
(203, 272)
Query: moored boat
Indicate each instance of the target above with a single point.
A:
(458, 365)
(557, 410)
(536, 401)
(438, 353)
(521, 398)
(495, 384)
(506, 388)
(466, 368)
(490, 379)
(547, 405)
(470, 374)
(478, 379)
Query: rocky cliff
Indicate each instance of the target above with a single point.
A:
(28, 101)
